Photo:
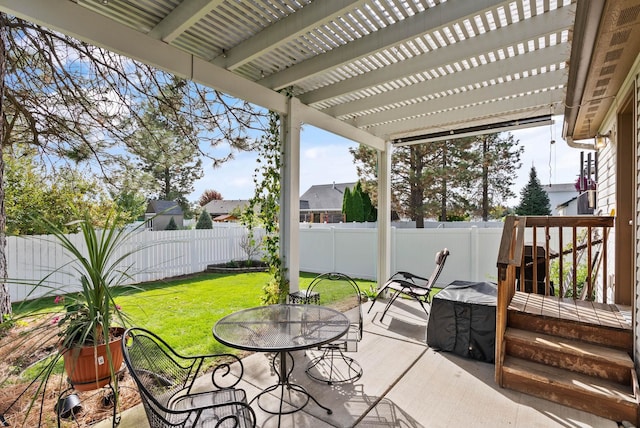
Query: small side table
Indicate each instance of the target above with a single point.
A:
(304, 297)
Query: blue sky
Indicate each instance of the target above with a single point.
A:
(325, 158)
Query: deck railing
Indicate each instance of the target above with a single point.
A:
(564, 256)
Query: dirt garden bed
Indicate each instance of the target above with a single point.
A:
(19, 352)
(242, 266)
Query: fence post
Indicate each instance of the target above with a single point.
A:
(195, 254)
(394, 247)
(475, 248)
(333, 246)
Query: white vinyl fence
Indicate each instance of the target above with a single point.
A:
(352, 251)
(473, 252)
(157, 255)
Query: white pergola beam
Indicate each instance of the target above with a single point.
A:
(531, 29)
(69, 18)
(324, 121)
(181, 18)
(513, 108)
(446, 103)
(492, 71)
(411, 28)
(285, 30)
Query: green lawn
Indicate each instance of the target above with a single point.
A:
(183, 311)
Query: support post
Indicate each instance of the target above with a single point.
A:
(384, 214)
(290, 194)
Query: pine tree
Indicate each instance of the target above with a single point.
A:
(172, 225)
(204, 221)
(534, 200)
(493, 175)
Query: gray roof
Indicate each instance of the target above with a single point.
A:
(561, 187)
(164, 207)
(220, 207)
(324, 197)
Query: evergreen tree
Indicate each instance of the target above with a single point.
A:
(370, 212)
(494, 173)
(165, 149)
(204, 221)
(534, 200)
(355, 206)
(445, 179)
(172, 225)
(346, 204)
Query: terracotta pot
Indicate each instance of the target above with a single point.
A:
(88, 367)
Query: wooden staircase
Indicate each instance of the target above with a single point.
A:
(574, 353)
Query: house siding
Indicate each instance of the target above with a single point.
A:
(606, 195)
(637, 220)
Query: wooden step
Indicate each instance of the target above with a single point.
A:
(598, 396)
(593, 360)
(597, 334)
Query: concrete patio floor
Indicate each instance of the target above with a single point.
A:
(405, 384)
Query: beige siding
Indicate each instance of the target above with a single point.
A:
(637, 243)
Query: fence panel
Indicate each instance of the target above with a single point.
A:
(352, 251)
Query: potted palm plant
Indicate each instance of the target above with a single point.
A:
(91, 328)
(90, 331)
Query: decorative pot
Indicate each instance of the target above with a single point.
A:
(88, 368)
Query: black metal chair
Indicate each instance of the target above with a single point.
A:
(411, 285)
(165, 380)
(342, 293)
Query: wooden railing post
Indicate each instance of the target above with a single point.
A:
(511, 256)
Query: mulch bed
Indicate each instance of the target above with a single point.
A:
(21, 347)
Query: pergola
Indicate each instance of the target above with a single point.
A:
(378, 72)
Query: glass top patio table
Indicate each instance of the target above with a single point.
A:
(276, 328)
(282, 329)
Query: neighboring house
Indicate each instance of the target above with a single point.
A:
(322, 203)
(581, 204)
(223, 210)
(159, 213)
(559, 194)
(225, 218)
(569, 207)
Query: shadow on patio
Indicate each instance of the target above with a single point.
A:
(405, 384)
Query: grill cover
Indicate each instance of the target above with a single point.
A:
(462, 320)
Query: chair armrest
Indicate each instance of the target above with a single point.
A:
(409, 276)
(220, 371)
(409, 284)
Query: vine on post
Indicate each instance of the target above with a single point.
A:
(264, 208)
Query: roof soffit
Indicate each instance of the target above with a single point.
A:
(614, 50)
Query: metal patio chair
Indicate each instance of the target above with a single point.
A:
(165, 380)
(414, 286)
(332, 366)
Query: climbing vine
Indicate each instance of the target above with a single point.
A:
(264, 208)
